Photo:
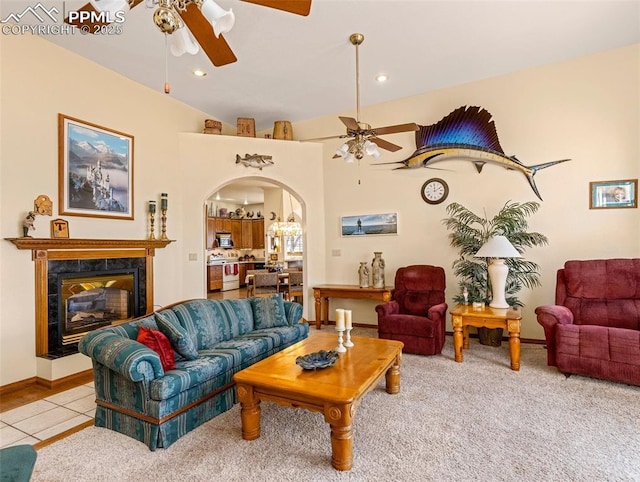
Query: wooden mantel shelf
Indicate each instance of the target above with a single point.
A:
(71, 243)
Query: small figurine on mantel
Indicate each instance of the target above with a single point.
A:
(27, 224)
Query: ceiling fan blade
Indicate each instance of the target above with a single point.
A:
(389, 146)
(325, 138)
(350, 122)
(299, 7)
(92, 25)
(216, 48)
(412, 126)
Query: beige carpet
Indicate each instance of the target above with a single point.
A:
(477, 420)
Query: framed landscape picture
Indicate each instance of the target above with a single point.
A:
(613, 194)
(369, 224)
(95, 170)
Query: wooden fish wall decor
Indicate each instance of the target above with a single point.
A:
(467, 133)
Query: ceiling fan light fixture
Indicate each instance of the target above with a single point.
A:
(343, 150)
(349, 158)
(182, 41)
(220, 19)
(165, 18)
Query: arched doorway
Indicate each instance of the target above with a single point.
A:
(251, 200)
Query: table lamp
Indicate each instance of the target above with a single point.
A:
(498, 248)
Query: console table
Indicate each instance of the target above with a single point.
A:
(322, 293)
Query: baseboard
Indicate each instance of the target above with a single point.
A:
(72, 380)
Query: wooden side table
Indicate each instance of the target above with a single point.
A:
(464, 316)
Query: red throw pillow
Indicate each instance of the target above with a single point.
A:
(159, 343)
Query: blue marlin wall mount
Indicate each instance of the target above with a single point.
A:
(467, 133)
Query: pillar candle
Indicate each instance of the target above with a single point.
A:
(164, 201)
(347, 319)
(339, 319)
(152, 207)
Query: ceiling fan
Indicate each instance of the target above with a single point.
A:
(204, 19)
(363, 138)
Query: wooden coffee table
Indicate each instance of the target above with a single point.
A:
(333, 391)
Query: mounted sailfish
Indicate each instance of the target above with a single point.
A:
(467, 133)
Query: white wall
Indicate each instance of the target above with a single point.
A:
(37, 81)
(585, 109)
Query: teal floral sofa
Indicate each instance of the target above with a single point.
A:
(212, 341)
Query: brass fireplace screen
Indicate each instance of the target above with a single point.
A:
(90, 301)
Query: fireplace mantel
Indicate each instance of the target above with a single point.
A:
(70, 243)
(55, 249)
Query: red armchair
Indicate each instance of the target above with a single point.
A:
(416, 315)
(594, 327)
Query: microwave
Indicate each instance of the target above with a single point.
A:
(224, 240)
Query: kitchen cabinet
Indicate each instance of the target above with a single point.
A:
(236, 232)
(257, 233)
(247, 234)
(214, 277)
(211, 232)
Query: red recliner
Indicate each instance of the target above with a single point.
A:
(416, 316)
(594, 327)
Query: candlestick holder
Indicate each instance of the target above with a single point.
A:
(348, 343)
(164, 224)
(340, 348)
(152, 218)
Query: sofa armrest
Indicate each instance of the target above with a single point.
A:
(128, 357)
(550, 316)
(389, 308)
(293, 312)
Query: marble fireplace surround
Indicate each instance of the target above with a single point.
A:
(45, 250)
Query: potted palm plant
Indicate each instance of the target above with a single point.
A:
(469, 232)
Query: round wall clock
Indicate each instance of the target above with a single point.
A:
(434, 191)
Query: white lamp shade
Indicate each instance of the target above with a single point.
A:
(220, 19)
(343, 150)
(350, 158)
(182, 41)
(111, 6)
(498, 247)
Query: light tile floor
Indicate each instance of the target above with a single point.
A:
(43, 419)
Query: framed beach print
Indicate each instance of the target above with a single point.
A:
(613, 194)
(95, 170)
(369, 224)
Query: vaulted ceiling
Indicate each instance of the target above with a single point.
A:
(297, 68)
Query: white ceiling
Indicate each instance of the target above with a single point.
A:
(297, 68)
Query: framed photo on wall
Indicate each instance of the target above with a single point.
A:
(95, 170)
(369, 224)
(613, 194)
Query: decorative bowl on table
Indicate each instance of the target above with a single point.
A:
(319, 359)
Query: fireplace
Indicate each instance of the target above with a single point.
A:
(75, 258)
(87, 301)
(87, 294)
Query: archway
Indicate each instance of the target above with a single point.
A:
(240, 198)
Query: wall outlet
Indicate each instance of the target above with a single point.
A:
(193, 256)
(335, 252)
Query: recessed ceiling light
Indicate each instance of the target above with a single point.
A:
(199, 72)
(382, 77)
